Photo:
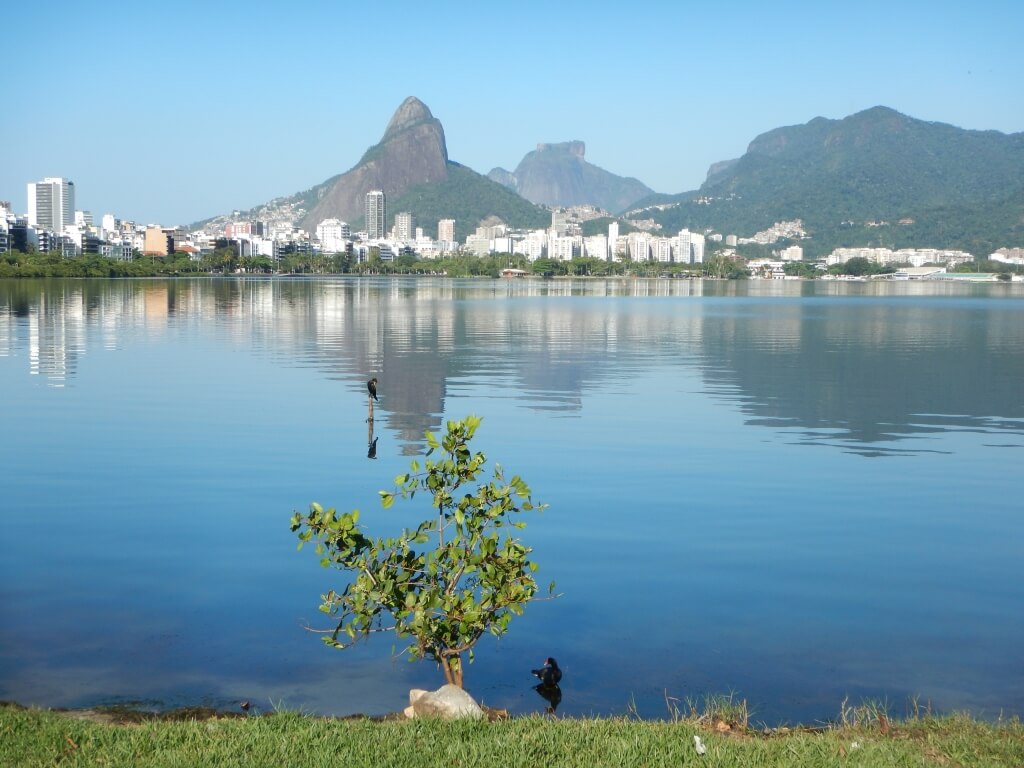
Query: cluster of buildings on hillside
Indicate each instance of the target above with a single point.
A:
(53, 223)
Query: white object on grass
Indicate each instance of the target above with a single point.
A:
(699, 745)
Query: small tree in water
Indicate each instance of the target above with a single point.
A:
(474, 580)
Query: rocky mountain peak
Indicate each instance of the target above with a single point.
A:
(409, 113)
(576, 148)
(558, 174)
(411, 152)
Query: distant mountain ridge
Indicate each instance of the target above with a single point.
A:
(949, 186)
(876, 177)
(558, 175)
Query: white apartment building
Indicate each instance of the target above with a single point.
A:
(532, 245)
(403, 227)
(478, 244)
(613, 240)
(661, 249)
(688, 247)
(619, 247)
(502, 244)
(333, 235)
(639, 246)
(428, 248)
(564, 247)
(685, 248)
(51, 204)
(596, 247)
(1008, 255)
(697, 243)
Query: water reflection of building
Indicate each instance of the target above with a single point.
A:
(416, 336)
(7, 331)
(822, 365)
(56, 335)
(154, 301)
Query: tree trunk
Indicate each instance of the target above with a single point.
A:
(452, 666)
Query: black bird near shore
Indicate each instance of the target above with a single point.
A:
(549, 674)
(371, 386)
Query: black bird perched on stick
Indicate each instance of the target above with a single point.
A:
(371, 386)
(549, 674)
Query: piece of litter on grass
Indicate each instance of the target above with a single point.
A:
(699, 745)
(855, 745)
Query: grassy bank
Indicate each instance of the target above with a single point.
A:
(31, 737)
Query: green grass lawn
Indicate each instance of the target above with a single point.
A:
(32, 737)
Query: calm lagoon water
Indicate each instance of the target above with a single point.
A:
(796, 492)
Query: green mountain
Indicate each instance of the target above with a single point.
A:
(469, 198)
(558, 175)
(949, 186)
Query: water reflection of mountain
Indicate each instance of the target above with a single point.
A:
(858, 364)
(870, 372)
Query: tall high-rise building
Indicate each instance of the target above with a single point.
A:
(696, 248)
(376, 214)
(446, 230)
(403, 227)
(613, 239)
(51, 204)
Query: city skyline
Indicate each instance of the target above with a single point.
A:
(51, 203)
(241, 107)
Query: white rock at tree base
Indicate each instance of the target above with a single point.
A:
(415, 694)
(448, 702)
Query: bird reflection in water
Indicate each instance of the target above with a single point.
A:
(551, 693)
(371, 439)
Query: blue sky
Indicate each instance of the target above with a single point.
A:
(172, 112)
